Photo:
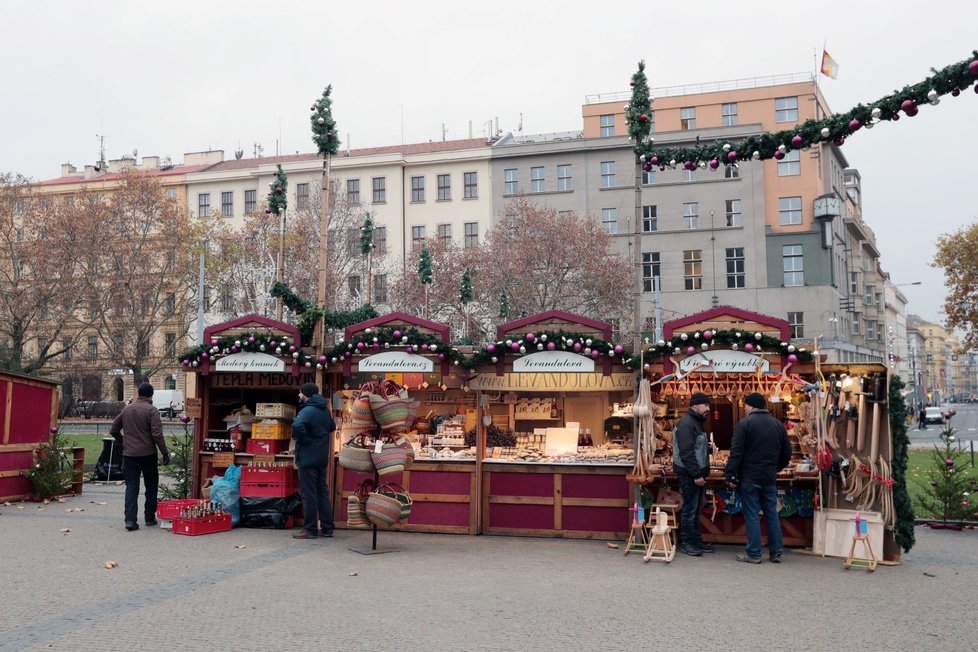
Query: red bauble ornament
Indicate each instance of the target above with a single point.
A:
(973, 68)
(854, 124)
(895, 116)
(913, 111)
(732, 156)
(779, 155)
(955, 92)
(654, 160)
(631, 83)
(907, 106)
(644, 117)
(796, 142)
(268, 211)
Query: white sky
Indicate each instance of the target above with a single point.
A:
(188, 76)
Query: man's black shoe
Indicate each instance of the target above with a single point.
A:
(150, 523)
(705, 547)
(326, 535)
(132, 526)
(748, 560)
(691, 550)
(775, 559)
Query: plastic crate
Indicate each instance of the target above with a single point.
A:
(204, 525)
(267, 446)
(266, 489)
(170, 509)
(271, 430)
(275, 410)
(267, 474)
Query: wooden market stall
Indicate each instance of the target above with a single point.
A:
(415, 353)
(558, 383)
(244, 362)
(833, 413)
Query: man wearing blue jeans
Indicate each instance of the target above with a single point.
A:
(759, 450)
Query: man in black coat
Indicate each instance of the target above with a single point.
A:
(691, 462)
(759, 450)
(312, 430)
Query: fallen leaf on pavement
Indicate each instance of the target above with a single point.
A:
(111, 564)
(613, 546)
(40, 509)
(118, 484)
(74, 509)
(98, 502)
(7, 504)
(20, 507)
(354, 574)
(929, 575)
(61, 500)
(46, 501)
(240, 547)
(65, 530)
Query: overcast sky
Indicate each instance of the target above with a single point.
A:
(222, 74)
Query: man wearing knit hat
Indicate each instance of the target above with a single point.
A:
(312, 431)
(691, 462)
(759, 450)
(139, 429)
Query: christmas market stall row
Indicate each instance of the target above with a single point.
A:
(537, 433)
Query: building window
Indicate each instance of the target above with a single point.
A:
(353, 191)
(417, 237)
(251, 201)
(380, 190)
(691, 215)
(92, 347)
(380, 288)
(471, 235)
(869, 295)
(417, 190)
(650, 218)
(171, 303)
(607, 126)
(856, 323)
(786, 109)
(796, 325)
(171, 193)
(470, 185)
(609, 220)
(301, 196)
(353, 285)
(380, 240)
(728, 114)
(171, 344)
(445, 233)
(444, 187)
(511, 182)
(790, 165)
(735, 267)
(794, 267)
(227, 300)
(870, 329)
(689, 175)
(693, 269)
(227, 204)
(853, 282)
(536, 179)
(687, 118)
(790, 209)
(648, 178)
(564, 177)
(203, 204)
(650, 270)
(733, 213)
(731, 171)
(607, 174)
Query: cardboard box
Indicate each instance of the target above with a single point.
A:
(271, 429)
(275, 410)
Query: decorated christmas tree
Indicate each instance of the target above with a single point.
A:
(503, 305)
(181, 465)
(277, 194)
(425, 274)
(367, 236)
(465, 293)
(323, 125)
(903, 531)
(638, 113)
(51, 473)
(948, 497)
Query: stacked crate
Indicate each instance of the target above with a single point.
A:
(272, 430)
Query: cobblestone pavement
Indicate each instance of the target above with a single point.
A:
(261, 590)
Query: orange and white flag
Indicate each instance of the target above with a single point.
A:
(829, 67)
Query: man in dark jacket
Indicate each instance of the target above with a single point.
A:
(139, 429)
(759, 450)
(691, 462)
(312, 430)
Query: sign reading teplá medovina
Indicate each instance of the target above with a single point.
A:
(247, 361)
(725, 361)
(389, 361)
(560, 362)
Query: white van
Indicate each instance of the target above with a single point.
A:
(168, 401)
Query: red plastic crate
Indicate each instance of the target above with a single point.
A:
(266, 474)
(170, 509)
(266, 489)
(267, 446)
(204, 525)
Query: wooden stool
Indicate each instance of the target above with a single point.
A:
(869, 561)
(662, 545)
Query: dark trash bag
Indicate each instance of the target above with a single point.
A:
(109, 464)
(270, 512)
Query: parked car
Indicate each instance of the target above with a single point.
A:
(934, 415)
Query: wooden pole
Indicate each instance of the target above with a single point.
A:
(319, 333)
(280, 277)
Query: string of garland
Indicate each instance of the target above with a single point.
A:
(903, 531)
(549, 341)
(952, 80)
(690, 343)
(309, 313)
(254, 342)
(372, 340)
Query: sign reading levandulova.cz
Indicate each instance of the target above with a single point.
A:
(559, 362)
(246, 361)
(725, 361)
(394, 361)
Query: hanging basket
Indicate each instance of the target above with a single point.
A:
(355, 454)
(391, 458)
(356, 515)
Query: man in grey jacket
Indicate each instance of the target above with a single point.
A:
(691, 462)
(139, 429)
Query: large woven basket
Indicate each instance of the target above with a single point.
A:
(355, 515)
(383, 509)
(392, 458)
(355, 455)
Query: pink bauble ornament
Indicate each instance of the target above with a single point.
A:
(360, 346)
(424, 347)
(973, 68)
(796, 142)
(185, 419)
(912, 111)
(654, 160)
(779, 155)
(595, 353)
(441, 356)
(792, 358)
(714, 164)
(515, 346)
(907, 105)
(839, 142)
(234, 349)
(375, 345)
(491, 348)
(577, 346)
(732, 156)
(213, 341)
(409, 349)
(251, 339)
(707, 334)
(530, 337)
(691, 350)
(308, 364)
(204, 355)
(268, 211)
(644, 117)
(397, 333)
(748, 347)
(949, 461)
(854, 125)
(292, 349)
(551, 346)
(322, 358)
(347, 354)
(186, 363)
(618, 348)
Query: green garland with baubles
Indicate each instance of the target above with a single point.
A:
(951, 80)
(738, 340)
(277, 195)
(411, 340)
(518, 345)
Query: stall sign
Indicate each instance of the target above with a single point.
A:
(263, 380)
(250, 361)
(396, 361)
(725, 361)
(193, 407)
(556, 362)
(538, 382)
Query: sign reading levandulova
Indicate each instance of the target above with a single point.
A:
(393, 361)
(555, 362)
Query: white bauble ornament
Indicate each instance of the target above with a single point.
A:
(278, 351)
(726, 147)
(404, 340)
(825, 132)
(704, 346)
(366, 330)
(791, 348)
(522, 349)
(676, 350)
(647, 366)
(757, 336)
(261, 347)
(539, 346)
(387, 345)
(587, 341)
(661, 343)
(544, 337)
(782, 149)
(432, 347)
(295, 356)
(684, 337)
(734, 346)
(319, 365)
(494, 359)
(756, 155)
